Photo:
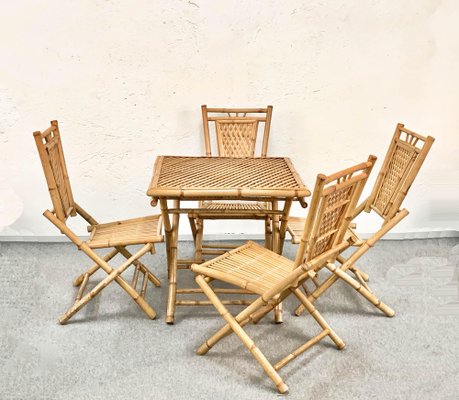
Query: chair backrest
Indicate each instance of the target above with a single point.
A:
(236, 130)
(49, 147)
(404, 158)
(333, 203)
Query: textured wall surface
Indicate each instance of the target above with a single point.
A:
(126, 80)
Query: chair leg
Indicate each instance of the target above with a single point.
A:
(246, 340)
(193, 228)
(278, 314)
(354, 269)
(79, 279)
(362, 290)
(320, 320)
(268, 234)
(113, 275)
(127, 254)
(198, 242)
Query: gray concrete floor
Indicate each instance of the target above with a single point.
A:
(111, 350)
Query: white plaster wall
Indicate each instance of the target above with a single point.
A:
(126, 80)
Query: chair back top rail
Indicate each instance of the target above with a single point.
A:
(332, 207)
(51, 154)
(401, 165)
(236, 130)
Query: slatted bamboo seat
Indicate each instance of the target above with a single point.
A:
(404, 158)
(236, 206)
(273, 277)
(250, 266)
(236, 131)
(117, 235)
(122, 233)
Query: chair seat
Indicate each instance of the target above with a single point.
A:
(249, 266)
(213, 209)
(236, 206)
(130, 231)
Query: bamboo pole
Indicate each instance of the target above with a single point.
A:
(143, 291)
(361, 289)
(171, 300)
(135, 278)
(283, 225)
(82, 287)
(216, 290)
(205, 124)
(264, 146)
(294, 354)
(208, 303)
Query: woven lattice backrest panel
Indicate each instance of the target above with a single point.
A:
(334, 210)
(402, 163)
(52, 156)
(236, 137)
(236, 130)
(225, 177)
(334, 200)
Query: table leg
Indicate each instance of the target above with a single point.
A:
(275, 228)
(171, 231)
(279, 245)
(283, 225)
(275, 247)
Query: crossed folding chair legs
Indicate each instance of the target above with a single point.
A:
(360, 283)
(254, 313)
(113, 274)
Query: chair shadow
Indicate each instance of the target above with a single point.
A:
(89, 313)
(237, 353)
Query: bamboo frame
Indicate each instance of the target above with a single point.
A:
(116, 235)
(181, 179)
(404, 158)
(274, 277)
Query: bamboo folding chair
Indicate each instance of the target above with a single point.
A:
(236, 131)
(406, 154)
(116, 235)
(273, 277)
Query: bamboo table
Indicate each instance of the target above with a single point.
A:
(270, 179)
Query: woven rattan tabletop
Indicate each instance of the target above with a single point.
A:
(225, 177)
